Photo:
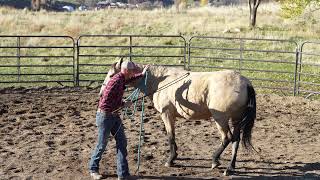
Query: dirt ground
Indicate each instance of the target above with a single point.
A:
(49, 133)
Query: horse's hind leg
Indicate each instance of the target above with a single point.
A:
(235, 145)
(223, 127)
(169, 122)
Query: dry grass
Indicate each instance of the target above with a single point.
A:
(211, 21)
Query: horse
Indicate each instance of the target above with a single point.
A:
(225, 96)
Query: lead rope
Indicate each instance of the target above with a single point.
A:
(141, 134)
(134, 98)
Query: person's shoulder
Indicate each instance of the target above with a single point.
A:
(117, 78)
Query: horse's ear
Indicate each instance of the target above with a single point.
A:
(112, 70)
(121, 60)
(118, 64)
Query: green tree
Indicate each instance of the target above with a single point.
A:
(294, 8)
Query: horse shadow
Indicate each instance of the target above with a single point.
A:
(299, 170)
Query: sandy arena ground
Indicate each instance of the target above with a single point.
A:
(49, 133)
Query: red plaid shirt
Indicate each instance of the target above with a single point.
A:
(111, 98)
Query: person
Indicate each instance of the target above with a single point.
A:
(109, 121)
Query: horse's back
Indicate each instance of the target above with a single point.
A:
(202, 92)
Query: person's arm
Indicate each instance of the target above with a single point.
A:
(139, 75)
(136, 76)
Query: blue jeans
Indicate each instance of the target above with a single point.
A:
(106, 124)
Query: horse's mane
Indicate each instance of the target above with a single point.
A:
(164, 70)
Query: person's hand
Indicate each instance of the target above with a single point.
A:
(127, 104)
(145, 69)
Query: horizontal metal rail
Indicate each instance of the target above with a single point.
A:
(33, 62)
(295, 66)
(131, 49)
(237, 54)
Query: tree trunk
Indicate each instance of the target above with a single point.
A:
(177, 5)
(35, 5)
(253, 17)
(253, 4)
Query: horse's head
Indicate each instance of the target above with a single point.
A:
(116, 68)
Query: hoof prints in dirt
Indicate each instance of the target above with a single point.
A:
(51, 133)
(3, 109)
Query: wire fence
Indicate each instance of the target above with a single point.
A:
(273, 65)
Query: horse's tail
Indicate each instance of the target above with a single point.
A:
(249, 116)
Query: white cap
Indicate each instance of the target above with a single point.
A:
(128, 65)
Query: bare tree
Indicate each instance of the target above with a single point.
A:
(82, 2)
(253, 4)
(36, 5)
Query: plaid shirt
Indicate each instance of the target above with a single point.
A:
(111, 98)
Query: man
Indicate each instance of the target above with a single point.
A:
(109, 121)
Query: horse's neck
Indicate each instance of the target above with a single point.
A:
(155, 76)
(158, 74)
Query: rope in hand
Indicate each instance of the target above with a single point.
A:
(133, 97)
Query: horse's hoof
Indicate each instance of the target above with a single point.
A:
(215, 164)
(228, 172)
(168, 164)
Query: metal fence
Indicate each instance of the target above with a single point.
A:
(100, 51)
(270, 64)
(280, 66)
(308, 80)
(37, 59)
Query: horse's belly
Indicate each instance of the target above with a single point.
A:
(193, 113)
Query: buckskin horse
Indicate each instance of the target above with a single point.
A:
(226, 96)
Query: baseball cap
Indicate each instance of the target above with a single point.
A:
(128, 65)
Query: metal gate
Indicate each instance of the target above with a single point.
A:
(308, 81)
(96, 52)
(37, 59)
(270, 64)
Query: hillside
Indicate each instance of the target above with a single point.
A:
(21, 4)
(211, 21)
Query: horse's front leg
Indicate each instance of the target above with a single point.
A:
(169, 122)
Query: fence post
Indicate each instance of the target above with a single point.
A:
(241, 54)
(185, 54)
(298, 54)
(189, 53)
(78, 56)
(74, 63)
(18, 58)
(130, 48)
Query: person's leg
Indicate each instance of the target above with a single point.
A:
(104, 125)
(121, 143)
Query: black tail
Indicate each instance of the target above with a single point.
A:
(248, 118)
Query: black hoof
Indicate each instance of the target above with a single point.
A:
(229, 172)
